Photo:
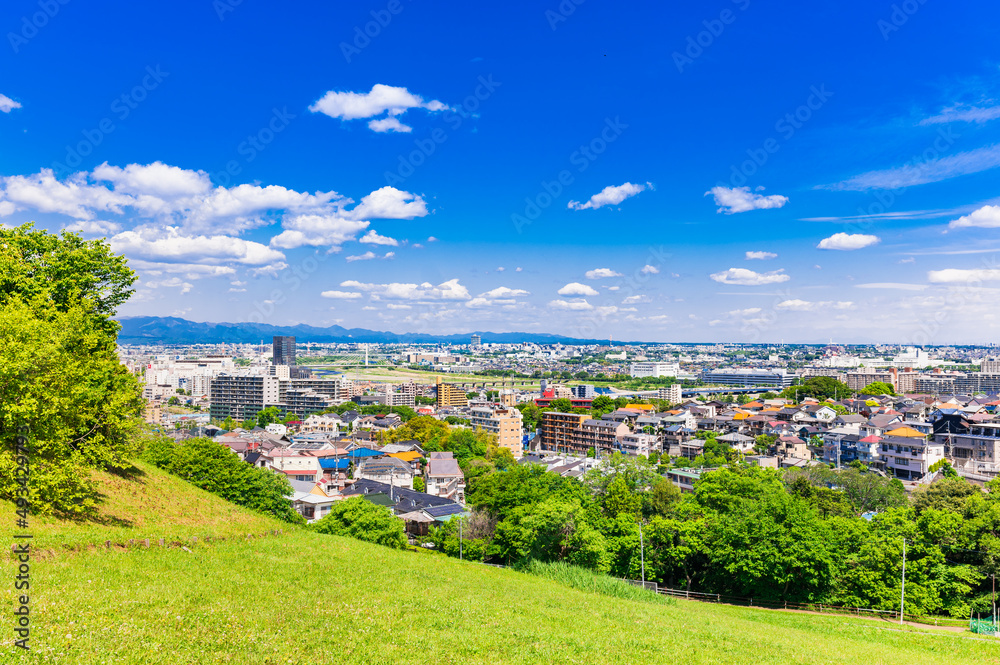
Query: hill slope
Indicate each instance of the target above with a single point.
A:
(307, 598)
(143, 503)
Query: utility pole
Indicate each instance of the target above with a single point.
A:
(642, 554)
(902, 590)
(460, 539)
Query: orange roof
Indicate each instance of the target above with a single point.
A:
(407, 456)
(905, 431)
(640, 407)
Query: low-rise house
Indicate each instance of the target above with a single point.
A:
(445, 478)
(387, 470)
(638, 444)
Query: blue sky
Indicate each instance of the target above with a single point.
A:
(725, 170)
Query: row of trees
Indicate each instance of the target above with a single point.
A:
(806, 535)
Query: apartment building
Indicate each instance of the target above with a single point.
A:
(557, 430)
(655, 369)
(449, 395)
(600, 436)
(505, 422)
(991, 366)
(241, 396)
(865, 377)
(639, 444)
(671, 393)
(748, 377)
(980, 445)
(582, 392)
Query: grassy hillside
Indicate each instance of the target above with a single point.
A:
(143, 503)
(307, 598)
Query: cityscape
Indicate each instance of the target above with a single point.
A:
(520, 332)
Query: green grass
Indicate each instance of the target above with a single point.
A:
(309, 598)
(144, 502)
(587, 580)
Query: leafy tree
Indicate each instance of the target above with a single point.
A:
(819, 387)
(359, 518)
(418, 484)
(661, 499)
(562, 405)
(948, 495)
(268, 416)
(878, 388)
(59, 371)
(620, 499)
(173, 401)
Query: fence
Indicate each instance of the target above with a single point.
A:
(985, 626)
(782, 605)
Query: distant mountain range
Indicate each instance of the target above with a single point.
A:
(173, 330)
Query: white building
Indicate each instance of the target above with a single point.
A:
(655, 369)
(671, 393)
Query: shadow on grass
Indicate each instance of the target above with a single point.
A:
(131, 474)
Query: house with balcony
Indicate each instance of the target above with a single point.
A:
(909, 457)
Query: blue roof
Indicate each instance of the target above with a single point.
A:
(364, 452)
(330, 463)
(445, 510)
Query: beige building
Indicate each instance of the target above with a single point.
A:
(502, 421)
(990, 367)
(861, 379)
(671, 393)
(449, 395)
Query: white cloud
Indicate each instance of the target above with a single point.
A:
(504, 292)
(745, 312)
(7, 104)
(154, 180)
(610, 195)
(760, 256)
(848, 241)
(577, 289)
(987, 217)
(450, 290)
(744, 277)
(806, 306)
(958, 275)
(317, 231)
(367, 256)
(961, 113)
(576, 305)
(95, 227)
(372, 238)
(393, 305)
(897, 286)
(635, 300)
(341, 295)
(390, 100)
(74, 197)
(601, 273)
(173, 282)
(171, 246)
(432, 239)
(649, 270)
(187, 270)
(740, 199)
(922, 172)
(389, 203)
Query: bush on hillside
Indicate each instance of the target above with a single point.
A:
(359, 518)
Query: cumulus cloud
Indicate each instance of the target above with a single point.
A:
(807, 306)
(610, 195)
(576, 305)
(95, 227)
(330, 231)
(372, 238)
(848, 241)
(7, 104)
(896, 286)
(987, 217)
(173, 282)
(367, 256)
(744, 277)
(760, 256)
(649, 270)
(634, 300)
(172, 246)
(393, 101)
(450, 290)
(601, 273)
(389, 203)
(740, 199)
(577, 289)
(959, 275)
(504, 292)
